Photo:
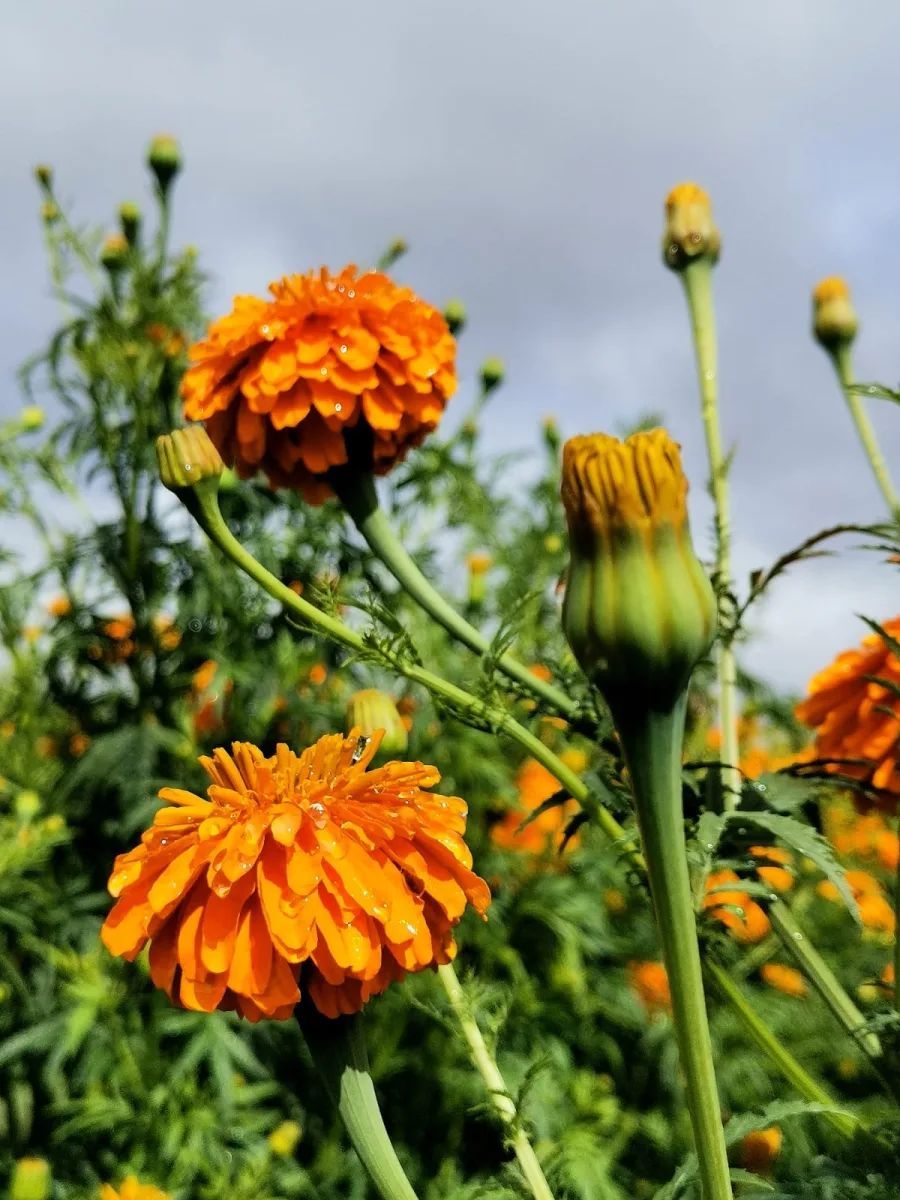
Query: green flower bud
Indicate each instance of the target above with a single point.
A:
(690, 234)
(371, 710)
(31, 1180)
(639, 611)
(479, 565)
(114, 253)
(130, 220)
(186, 459)
(834, 318)
(455, 315)
(31, 418)
(28, 805)
(492, 372)
(164, 160)
(50, 213)
(43, 173)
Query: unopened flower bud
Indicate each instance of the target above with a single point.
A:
(164, 160)
(492, 372)
(187, 458)
(639, 611)
(552, 440)
(43, 173)
(113, 253)
(31, 1180)
(32, 418)
(834, 318)
(28, 805)
(371, 710)
(455, 315)
(690, 234)
(50, 213)
(284, 1138)
(130, 220)
(479, 565)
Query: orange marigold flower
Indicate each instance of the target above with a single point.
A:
(650, 983)
(536, 784)
(784, 979)
(317, 674)
(78, 743)
(856, 718)
(130, 1189)
(298, 870)
(204, 675)
(759, 1150)
(119, 628)
(778, 877)
(59, 606)
(331, 366)
(752, 926)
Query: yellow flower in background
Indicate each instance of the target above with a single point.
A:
(650, 983)
(59, 606)
(759, 1150)
(284, 1138)
(131, 1189)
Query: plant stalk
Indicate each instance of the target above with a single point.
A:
(652, 743)
(485, 1064)
(843, 365)
(697, 280)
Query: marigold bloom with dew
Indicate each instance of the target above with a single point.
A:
(298, 870)
(639, 611)
(856, 718)
(332, 367)
(131, 1189)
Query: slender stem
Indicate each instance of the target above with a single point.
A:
(357, 493)
(774, 1050)
(485, 1064)
(697, 280)
(652, 743)
(338, 1049)
(843, 365)
(821, 976)
(897, 937)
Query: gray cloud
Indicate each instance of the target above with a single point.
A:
(525, 156)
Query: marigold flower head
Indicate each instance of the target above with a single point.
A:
(835, 323)
(650, 983)
(131, 1189)
(760, 1148)
(535, 785)
(78, 744)
(856, 718)
(59, 606)
(750, 927)
(114, 252)
(333, 367)
(297, 870)
(690, 234)
(778, 877)
(784, 979)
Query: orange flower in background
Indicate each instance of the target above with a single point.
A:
(875, 911)
(855, 718)
(650, 983)
(78, 744)
(287, 385)
(784, 979)
(298, 870)
(752, 926)
(130, 1189)
(778, 877)
(536, 784)
(759, 1150)
(317, 674)
(119, 628)
(59, 606)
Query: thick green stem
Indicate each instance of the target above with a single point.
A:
(774, 1050)
(338, 1049)
(485, 1064)
(652, 743)
(897, 936)
(843, 365)
(697, 280)
(821, 976)
(356, 491)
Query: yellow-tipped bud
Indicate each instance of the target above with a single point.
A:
(31, 1180)
(492, 372)
(690, 233)
(32, 418)
(164, 160)
(371, 710)
(113, 253)
(284, 1138)
(187, 458)
(835, 322)
(639, 611)
(130, 220)
(43, 173)
(455, 315)
(479, 564)
(28, 805)
(50, 213)
(759, 1149)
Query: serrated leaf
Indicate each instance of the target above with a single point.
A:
(780, 791)
(555, 801)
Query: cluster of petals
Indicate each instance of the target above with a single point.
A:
(546, 831)
(650, 983)
(298, 870)
(745, 919)
(132, 1189)
(856, 717)
(280, 382)
(875, 910)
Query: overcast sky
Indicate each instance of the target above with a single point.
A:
(524, 149)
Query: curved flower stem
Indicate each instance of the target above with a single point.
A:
(338, 1049)
(697, 280)
(773, 1049)
(487, 1068)
(821, 976)
(652, 743)
(356, 492)
(843, 365)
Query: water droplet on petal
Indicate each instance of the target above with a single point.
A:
(351, 293)
(339, 408)
(324, 371)
(343, 349)
(264, 330)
